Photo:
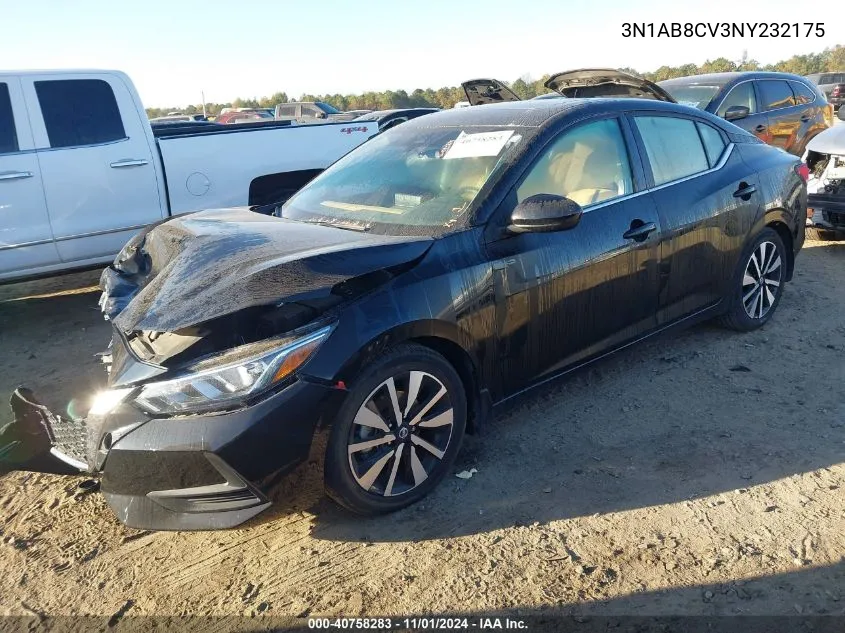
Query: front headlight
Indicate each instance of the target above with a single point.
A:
(219, 387)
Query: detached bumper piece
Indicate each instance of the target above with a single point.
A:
(40, 441)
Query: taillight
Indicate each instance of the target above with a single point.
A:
(802, 170)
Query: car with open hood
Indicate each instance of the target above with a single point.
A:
(825, 159)
(439, 270)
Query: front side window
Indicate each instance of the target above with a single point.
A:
(740, 95)
(8, 136)
(587, 165)
(79, 112)
(673, 146)
(414, 180)
(775, 94)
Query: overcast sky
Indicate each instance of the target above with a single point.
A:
(243, 48)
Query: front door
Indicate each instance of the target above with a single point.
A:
(96, 163)
(26, 241)
(564, 296)
(743, 94)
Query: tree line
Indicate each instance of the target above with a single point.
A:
(830, 59)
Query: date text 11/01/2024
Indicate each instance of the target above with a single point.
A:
(723, 29)
(419, 623)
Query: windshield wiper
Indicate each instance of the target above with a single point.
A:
(361, 228)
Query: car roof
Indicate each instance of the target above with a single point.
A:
(726, 78)
(538, 113)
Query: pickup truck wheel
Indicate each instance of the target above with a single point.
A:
(757, 285)
(398, 433)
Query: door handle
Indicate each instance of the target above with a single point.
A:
(639, 230)
(760, 128)
(15, 175)
(129, 162)
(744, 191)
(805, 118)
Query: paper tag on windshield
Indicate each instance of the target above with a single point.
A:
(480, 144)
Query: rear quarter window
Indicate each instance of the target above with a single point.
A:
(674, 147)
(803, 94)
(79, 112)
(714, 144)
(8, 135)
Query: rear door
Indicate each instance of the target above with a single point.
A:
(707, 199)
(96, 162)
(786, 117)
(26, 240)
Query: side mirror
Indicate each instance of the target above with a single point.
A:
(734, 113)
(544, 212)
(320, 115)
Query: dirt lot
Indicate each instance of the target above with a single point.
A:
(702, 473)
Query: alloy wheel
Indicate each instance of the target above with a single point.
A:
(761, 281)
(400, 433)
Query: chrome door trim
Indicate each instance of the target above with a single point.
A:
(15, 175)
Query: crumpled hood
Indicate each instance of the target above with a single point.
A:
(831, 141)
(191, 269)
(605, 82)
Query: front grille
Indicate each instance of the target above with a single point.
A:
(70, 438)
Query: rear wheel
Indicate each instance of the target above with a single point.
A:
(398, 432)
(758, 284)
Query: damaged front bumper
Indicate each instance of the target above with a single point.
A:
(199, 472)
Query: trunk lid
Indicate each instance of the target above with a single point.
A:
(482, 91)
(605, 82)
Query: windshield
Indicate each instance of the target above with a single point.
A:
(695, 95)
(413, 180)
(325, 107)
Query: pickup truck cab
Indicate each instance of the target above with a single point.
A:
(82, 170)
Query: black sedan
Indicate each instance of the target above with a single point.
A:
(438, 270)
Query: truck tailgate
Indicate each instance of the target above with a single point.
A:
(214, 169)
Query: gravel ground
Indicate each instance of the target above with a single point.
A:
(701, 473)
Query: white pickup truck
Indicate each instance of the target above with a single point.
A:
(81, 169)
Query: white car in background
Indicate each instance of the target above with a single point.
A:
(825, 156)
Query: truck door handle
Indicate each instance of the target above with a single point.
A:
(760, 128)
(129, 162)
(15, 175)
(639, 230)
(744, 191)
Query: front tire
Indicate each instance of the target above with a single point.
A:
(398, 432)
(757, 286)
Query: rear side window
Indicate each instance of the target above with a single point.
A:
(714, 145)
(673, 146)
(803, 94)
(8, 136)
(740, 95)
(79, 112)
(775, 94)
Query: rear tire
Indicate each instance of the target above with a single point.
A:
(757, 285)
(376, 463)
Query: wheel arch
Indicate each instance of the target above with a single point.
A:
(442, 337)
(780, 221)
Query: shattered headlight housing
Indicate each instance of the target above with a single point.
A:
(220, 386)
